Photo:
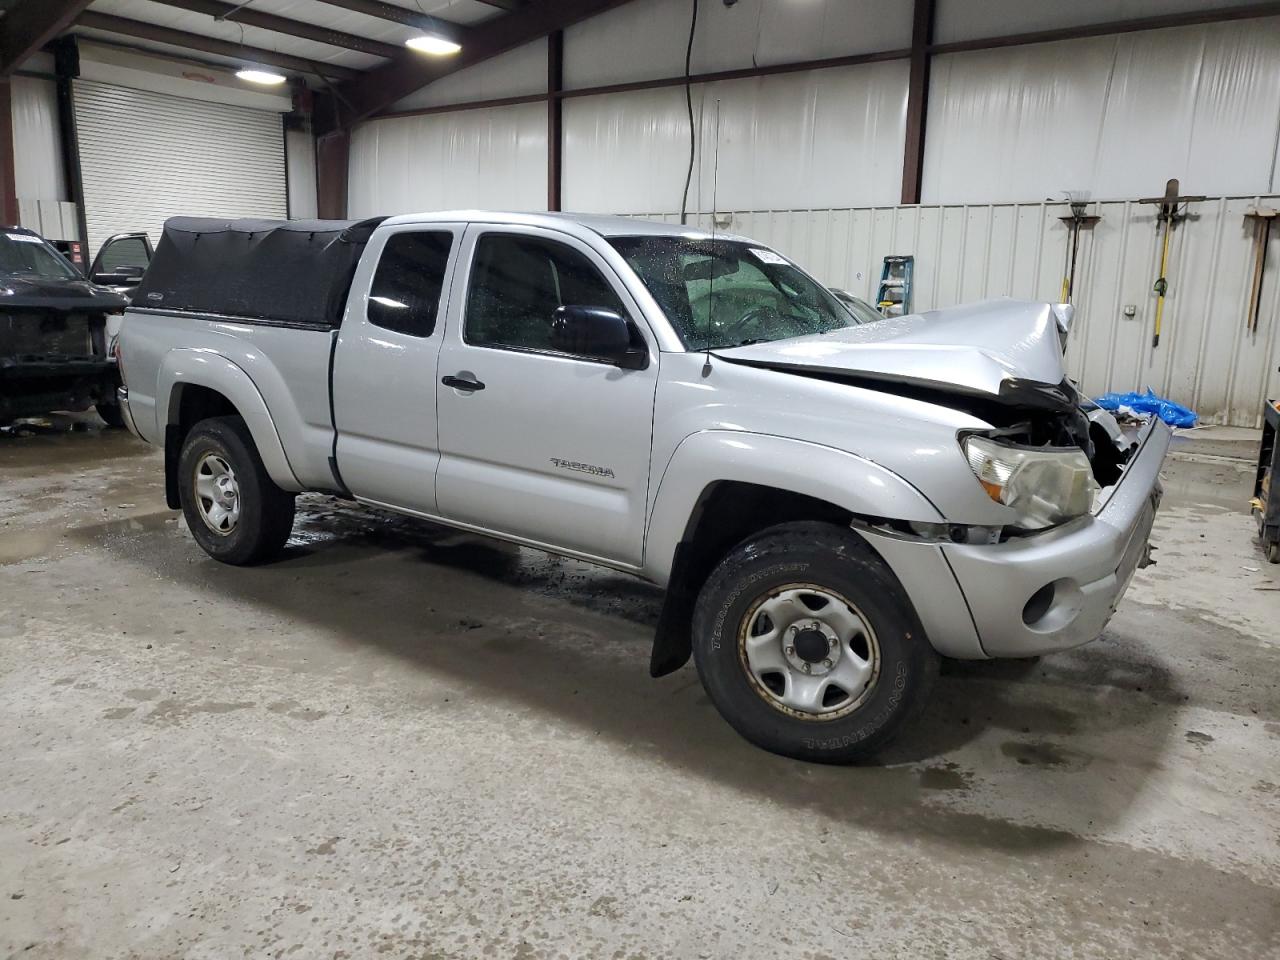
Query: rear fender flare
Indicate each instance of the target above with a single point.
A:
(204, 368)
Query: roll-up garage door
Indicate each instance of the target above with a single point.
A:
(147, 156)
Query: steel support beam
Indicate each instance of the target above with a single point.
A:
(508, 5)
(30, 24)
(555, 119)
(8, 176)
(917, 100)
(410, 18)
(222, 48)
(238, 13)
(383, 86)
(333, 154)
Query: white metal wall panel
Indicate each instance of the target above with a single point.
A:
(491, 158)
(55, 219)
(646, 39)
(821, 138)
(1207, 358)
(1113, 116)
(974, 19)
(37, 144)
(516, 73)
(197, 159)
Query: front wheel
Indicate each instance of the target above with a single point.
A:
(808, 645)
(234, 510)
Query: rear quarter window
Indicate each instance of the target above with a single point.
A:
(405, 294)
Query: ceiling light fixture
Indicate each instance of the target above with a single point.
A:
(260, 76)
(434, 45)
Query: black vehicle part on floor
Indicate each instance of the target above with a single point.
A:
(285, 272)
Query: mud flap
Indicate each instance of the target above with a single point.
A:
(173, 436)
(673, 639)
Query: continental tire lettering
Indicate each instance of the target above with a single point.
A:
(872, 725)
(717, 629)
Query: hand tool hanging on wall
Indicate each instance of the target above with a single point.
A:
(1173, 210)
(1262, 218)
(1077, 221)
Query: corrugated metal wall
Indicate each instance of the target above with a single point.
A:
(1112, 116)
(1207, 358)
(495, 157)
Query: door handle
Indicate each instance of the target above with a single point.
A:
(462, 383)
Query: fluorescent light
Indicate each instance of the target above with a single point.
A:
(428, 43)
(260, 76)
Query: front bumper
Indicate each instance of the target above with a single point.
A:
(1082, 567)
(36, 384)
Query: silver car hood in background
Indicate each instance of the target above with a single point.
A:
(977, 348)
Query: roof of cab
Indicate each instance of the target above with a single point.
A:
(605, 226)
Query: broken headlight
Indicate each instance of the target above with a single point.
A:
(1045, 485)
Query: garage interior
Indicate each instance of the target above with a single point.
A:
(402, 739)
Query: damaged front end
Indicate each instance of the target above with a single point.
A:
(999, 361)
(53, 346)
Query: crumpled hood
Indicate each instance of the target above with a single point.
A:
(47, 293)
(998, 348)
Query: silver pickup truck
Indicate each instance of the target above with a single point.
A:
(831, 504)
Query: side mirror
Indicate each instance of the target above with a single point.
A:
(598, 333)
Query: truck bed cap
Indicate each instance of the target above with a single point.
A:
(287, 271)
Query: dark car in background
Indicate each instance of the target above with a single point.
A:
(55, 341)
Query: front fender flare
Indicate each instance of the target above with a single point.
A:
(203, 368)
(824, 473)
(797, 466)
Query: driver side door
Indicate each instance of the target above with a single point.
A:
(537, 443)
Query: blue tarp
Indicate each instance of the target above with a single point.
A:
(1171, 413)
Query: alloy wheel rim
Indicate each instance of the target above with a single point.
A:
(809, 652)
(217, 494)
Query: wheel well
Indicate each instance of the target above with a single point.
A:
(727, 513)
(190, 404)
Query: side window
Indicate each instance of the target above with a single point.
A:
(405, 296)
(518, 282)
(125, 252)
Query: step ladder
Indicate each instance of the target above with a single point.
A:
(894, 297)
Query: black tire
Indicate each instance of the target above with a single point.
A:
(265, 511)
(838, 562)
(111, 414)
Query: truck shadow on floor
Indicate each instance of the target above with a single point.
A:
(528, 631)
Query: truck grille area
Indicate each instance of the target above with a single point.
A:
(44, 334)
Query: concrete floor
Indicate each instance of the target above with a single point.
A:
(403, 742)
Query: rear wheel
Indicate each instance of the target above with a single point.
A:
(234, 510)
(809, 647)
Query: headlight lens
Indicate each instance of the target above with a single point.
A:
(1046, 486)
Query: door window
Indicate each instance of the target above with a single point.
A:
(405, 296)
(126, 252)
(517, 283)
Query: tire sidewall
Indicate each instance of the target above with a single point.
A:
(905, 656)
(218, 438)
